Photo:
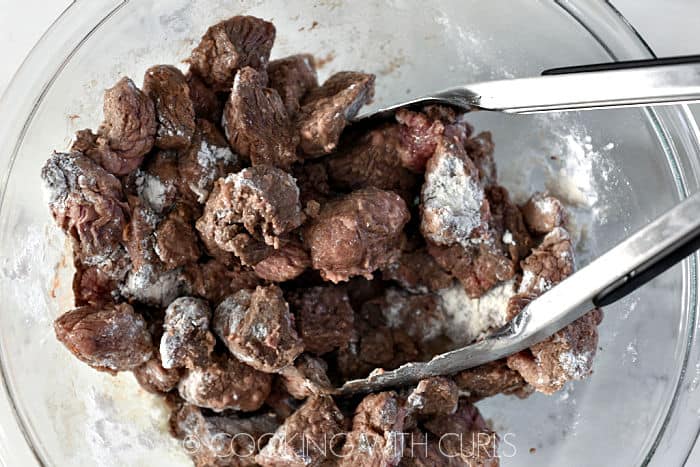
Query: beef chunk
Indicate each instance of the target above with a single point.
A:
(418, 272)
(377, 432)
(96, 284)
(280, 401)
(205, 102)
(314, 190)
(419, 316)
(478, 268)
(256, 123)
(154, 378)
(491, 379)
(109, 338)
(373, 159)
(152, 285)
(87, 203)
(434, 396)
(375, 347)
(225, 383)
(326, 110)
(480, 151)
(325, 318)
(284, 264)
(507, 222)
(226, 47)
(176, 240)
(567, 355)
(206, 160)
(464, 438)
(168, 88)
(419, 135)
(186, 341)
(550, 263)
(452, 201)
(292, 77)
(263, 199)
(258, 328)
(306, 378)
(543, 213)
(356, 234)
(307, 438)
(214, 280)
(250, 251)
(128, 131)
(156, 183)
(225, 440)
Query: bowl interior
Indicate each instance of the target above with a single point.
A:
(610, 166)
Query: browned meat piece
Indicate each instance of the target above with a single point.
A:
(250, 251)
(220, 440)
(263, 199)
(225, 383)
(306, 378)
(491, 379)
(548, 264)
(312, 180)
(258, 328)
(361, 290)
(434, 396)
(326, 110)
(375, 347)
(544, 213)
(567, 355)
(186, 340)
(419, 316)
(153, 285)
(422, 450)
(168, 88)
(156, 183)
(128, 131)
(418, 272)
(214, 280)
(376, 438)
(154, 378)
(205, 102)
(452, 201)
(88, 204)
(284, 264)
(507, 222)
(176, 242)
(280, 401)
(324, 318)
(138, 234)
(256, 123)
(99, 284)
(356, 234)
(292, 77)
(464, 438)
(372, 159)
(480, 151)
(478, 268)
(307, 438)
(226, 47)
(205, 161)
(109, 338)
(419, 135)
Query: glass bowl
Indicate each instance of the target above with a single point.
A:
(617, 169)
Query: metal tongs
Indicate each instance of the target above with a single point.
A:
(631, 83)
(626, 267)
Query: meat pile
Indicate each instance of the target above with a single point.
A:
(242, 249)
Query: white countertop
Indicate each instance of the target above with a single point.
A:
(669, 26)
